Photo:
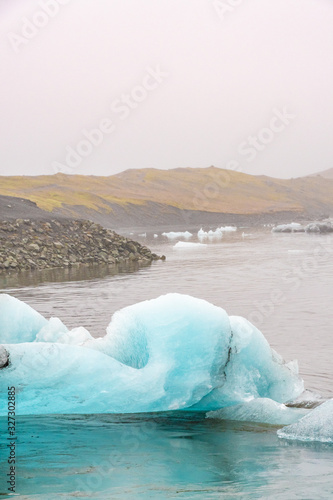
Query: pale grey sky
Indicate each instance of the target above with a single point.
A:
(169, 83)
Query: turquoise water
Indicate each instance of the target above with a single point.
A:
(185, 455)
(165, 456)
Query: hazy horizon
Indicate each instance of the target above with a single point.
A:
(100, 88)
(149, 168)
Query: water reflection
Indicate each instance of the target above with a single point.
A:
(58, 275)
(183, 454)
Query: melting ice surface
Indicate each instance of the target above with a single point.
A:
(170, 353)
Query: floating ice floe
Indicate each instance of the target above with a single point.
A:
(173, 352)
(313, 227)
(155, 235)
(319, 227)
(217, 234)
(173, 235)
(316, 426)
(187, 245)
(294, 227)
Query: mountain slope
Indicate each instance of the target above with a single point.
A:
(327, 174)
(158, 193)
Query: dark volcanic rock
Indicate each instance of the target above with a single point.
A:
(27, 244)
(4, 357)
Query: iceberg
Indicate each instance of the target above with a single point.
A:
(319, 227)
(316, 426)
(170, 353)
(314, 227)
(293, 227)
(173, 235)
(217, 234)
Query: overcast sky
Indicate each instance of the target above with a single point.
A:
(168, 83)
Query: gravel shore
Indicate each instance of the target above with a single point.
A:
(31, 244)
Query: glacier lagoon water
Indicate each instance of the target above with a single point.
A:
(164, 456)
(188, 456)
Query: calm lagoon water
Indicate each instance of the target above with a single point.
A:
(281, 282)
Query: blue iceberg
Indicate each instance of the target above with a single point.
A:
(316, 426)
(171, 353)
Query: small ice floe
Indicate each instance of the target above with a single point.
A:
(313, 227)
(317, 425)
(217, 234)
(155, 235)
(143, 235)
(172, 235)
(319, 227)
(245, 235)
(294, 227)
(189, 245)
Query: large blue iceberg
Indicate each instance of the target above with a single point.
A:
(171, 353)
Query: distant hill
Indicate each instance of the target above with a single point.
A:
(327, 174)
(151, 196)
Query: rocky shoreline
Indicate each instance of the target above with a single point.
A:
(27, 244)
